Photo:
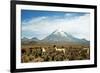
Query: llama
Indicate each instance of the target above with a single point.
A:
(43, 50)
(60, 50)
(87, 49)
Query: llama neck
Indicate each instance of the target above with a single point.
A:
(43, 48)
(56, 48)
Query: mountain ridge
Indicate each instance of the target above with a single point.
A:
(58, 36)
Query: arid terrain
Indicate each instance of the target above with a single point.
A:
(44, 52)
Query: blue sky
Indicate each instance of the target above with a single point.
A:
(41, 23)
(30, 14)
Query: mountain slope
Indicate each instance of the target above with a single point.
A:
(63, 37)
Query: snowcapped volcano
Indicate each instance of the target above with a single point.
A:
(58, 36)
(61, 36)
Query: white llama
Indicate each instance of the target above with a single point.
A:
(43, 49)
(58, 49)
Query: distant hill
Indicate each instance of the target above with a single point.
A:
(28, 41)
(34, 39)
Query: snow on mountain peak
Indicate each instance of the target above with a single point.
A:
(60, 33)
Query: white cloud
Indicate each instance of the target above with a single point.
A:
(69, 14)
(78, 27)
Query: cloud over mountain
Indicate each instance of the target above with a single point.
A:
(75, 24)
